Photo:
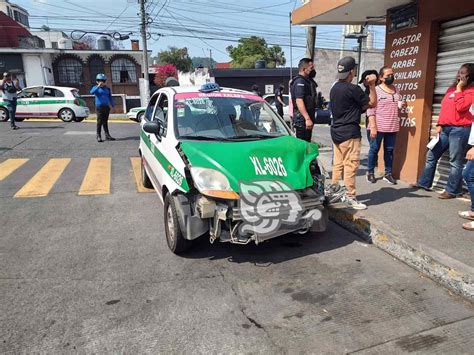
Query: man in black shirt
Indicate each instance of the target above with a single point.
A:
(302, 96)
(279, 103)
(348, 101)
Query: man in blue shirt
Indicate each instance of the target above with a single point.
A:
(103, 103)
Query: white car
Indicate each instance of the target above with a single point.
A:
(49, 102)
(136, 114)
(286, 99)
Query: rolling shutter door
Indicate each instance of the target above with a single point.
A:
(455, 47)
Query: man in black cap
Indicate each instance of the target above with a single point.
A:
(303, 99)
(348, 102)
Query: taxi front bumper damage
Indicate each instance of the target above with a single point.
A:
(223, 220)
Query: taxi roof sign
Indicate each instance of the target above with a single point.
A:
(209, 87)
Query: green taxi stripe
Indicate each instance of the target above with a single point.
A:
(165, 163)
(40, 102)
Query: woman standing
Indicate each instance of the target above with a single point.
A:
(384, 123)
(454, 126)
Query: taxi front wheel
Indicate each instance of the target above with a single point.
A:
(174, 236)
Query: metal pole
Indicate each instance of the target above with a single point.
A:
(144, 45)
(359, 59)
(291, 51)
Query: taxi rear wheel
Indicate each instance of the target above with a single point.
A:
(3, 114)
(174, 237)
(66, 115)
(140, 116)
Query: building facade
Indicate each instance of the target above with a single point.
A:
(426, 43)
(15, 12)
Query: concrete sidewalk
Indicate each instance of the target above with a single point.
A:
(414, 226)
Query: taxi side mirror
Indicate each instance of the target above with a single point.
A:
(153, 127)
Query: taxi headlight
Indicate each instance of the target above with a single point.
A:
(212, 183)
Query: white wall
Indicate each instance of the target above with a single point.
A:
(36, 69)
(197, 77)
(49, 36)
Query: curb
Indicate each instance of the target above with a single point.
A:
(451, 273)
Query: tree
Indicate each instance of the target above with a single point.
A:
(254, 48)
(203, 62)
(163, 72)
(179, 57)
(276, 55)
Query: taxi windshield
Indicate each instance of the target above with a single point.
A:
(226, 117)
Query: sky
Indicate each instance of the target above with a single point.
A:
(200, 25)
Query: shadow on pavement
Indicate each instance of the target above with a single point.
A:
(132, 138)
(274, 251)
(388, 194)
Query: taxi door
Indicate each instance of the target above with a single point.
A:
(153, 150)
(27, 102)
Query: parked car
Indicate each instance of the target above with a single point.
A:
(224, 164)
(323, 115)
(136, 114)
(48, 102)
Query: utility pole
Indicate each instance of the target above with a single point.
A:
(145, 50)
(291, 51)
(310, 42)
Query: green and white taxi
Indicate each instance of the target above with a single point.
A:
(226, 166)
(48, 102)
(136, 114)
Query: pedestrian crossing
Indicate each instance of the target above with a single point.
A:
(96, 179)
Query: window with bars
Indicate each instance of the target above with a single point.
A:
(69, 71)
(123, 71)
(96, 66)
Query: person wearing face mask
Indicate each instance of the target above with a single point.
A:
(384, 123)
(453, 129)
(304, 103)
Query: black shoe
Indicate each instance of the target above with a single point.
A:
(371, 178)
(389, 178)
(108, 137)
(15, 128)
(99, 138)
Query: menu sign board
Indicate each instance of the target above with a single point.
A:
(404, 57)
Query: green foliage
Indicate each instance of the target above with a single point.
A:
(254, 48)
(179, 57)
(203, 62)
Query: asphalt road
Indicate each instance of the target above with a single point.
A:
(92, 274)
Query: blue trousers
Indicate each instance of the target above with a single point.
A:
(389, 140)
(11, 107)
(468, 175)
(455, 139)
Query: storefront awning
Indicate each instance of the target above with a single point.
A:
(344, 12)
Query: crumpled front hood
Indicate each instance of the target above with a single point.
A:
(285, 158)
